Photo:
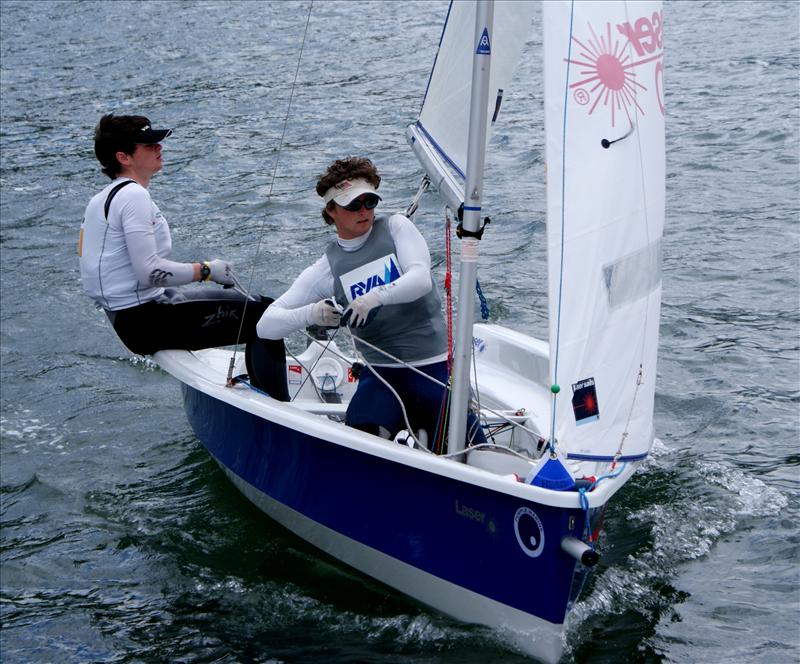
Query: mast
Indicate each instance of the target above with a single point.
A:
(476, 150)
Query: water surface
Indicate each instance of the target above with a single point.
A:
(121, 539)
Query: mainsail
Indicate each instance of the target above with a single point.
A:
(604, 118)
(439, 137)
(604, 121)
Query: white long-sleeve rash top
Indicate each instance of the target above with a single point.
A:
(124, 259)
(292, 310)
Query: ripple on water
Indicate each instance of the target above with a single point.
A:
(24, 434)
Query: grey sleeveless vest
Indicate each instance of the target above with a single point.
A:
(412, 331)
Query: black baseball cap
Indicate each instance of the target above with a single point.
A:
(147, 135)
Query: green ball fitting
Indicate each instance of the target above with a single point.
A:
(554, 388)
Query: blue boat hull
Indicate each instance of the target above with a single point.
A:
(459, 532)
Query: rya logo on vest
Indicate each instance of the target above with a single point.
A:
(363, 279)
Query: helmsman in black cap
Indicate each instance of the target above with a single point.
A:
(124, 251)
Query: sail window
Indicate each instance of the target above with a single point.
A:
(634, 276)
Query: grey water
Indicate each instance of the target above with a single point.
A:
(121, 539)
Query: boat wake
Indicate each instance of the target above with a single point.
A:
(692, 504)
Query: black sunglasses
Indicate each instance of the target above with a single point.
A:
(369, 202)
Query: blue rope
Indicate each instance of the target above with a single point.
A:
(242, 381)
(585, 507)
(607, 477)
(484, 304)
(325, 380)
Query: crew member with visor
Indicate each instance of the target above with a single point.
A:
(375, 277)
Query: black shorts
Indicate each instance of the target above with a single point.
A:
(188, 319)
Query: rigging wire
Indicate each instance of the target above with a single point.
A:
(499, 415)
(406, 365)
(554, 388)
(313, 366)
(272, 183)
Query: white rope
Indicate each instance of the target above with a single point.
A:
(411, 210)
(308, 371)
(447, 387)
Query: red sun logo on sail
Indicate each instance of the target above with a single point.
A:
(606, 67)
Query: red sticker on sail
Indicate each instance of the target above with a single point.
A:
(584, 401)
(295, 374)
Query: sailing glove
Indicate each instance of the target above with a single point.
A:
(326, 313)
(362, 310)
(220, 271)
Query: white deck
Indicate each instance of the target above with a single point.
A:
(512, 375)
